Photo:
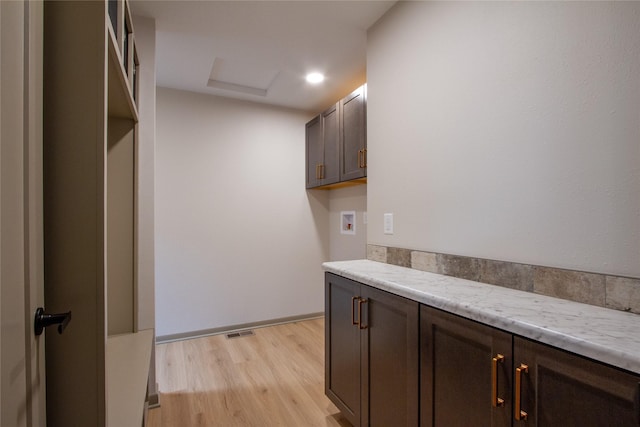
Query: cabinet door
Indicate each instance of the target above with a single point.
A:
(457, 376)
(314, 151)
(331, 141)
(354, 141)
(342, 346)
(390, 359)
(562, 389)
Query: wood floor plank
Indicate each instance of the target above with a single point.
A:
(272, 378)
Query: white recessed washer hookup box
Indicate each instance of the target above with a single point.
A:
(348, 222)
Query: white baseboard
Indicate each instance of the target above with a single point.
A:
(233, 328)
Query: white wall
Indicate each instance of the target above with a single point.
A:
(145, 29)
(238, 238)
(509, 131)
(347, 246)
(146, 44)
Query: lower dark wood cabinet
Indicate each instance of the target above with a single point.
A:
(564, 390)
(476, 375)
(391, 361)
(342, 347)
(372, 354)
(465, 372)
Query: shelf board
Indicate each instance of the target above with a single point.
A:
(121, 103)
(128, 361)
(351, 183)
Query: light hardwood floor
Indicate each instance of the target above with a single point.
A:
(272, 378)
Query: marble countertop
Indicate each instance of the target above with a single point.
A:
(610, 336)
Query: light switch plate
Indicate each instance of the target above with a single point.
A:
(388, 223)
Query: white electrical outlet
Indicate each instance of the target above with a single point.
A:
(388, 223)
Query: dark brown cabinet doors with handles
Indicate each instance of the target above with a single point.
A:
(473, 374)
(371, 361)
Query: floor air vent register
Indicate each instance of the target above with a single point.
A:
(239, 334)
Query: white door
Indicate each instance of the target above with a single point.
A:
(22, 377)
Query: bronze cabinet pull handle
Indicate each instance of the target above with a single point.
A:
(518, 412)
(353, 317)
(360, 302)
(495, 400)
(320, 171)
(362, 159)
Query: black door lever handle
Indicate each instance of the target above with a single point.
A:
(42, 320)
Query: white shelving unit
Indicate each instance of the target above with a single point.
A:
(128, 357)
(101, 362)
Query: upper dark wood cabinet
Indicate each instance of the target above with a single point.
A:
(371, 354)
(336, 143)
(323, 148)
(353, 147)
(331, 141)
(314, 150)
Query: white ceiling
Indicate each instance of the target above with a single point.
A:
(262, 50)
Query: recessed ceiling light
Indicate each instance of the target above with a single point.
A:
(315, 78)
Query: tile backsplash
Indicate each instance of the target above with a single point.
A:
(619, 293)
